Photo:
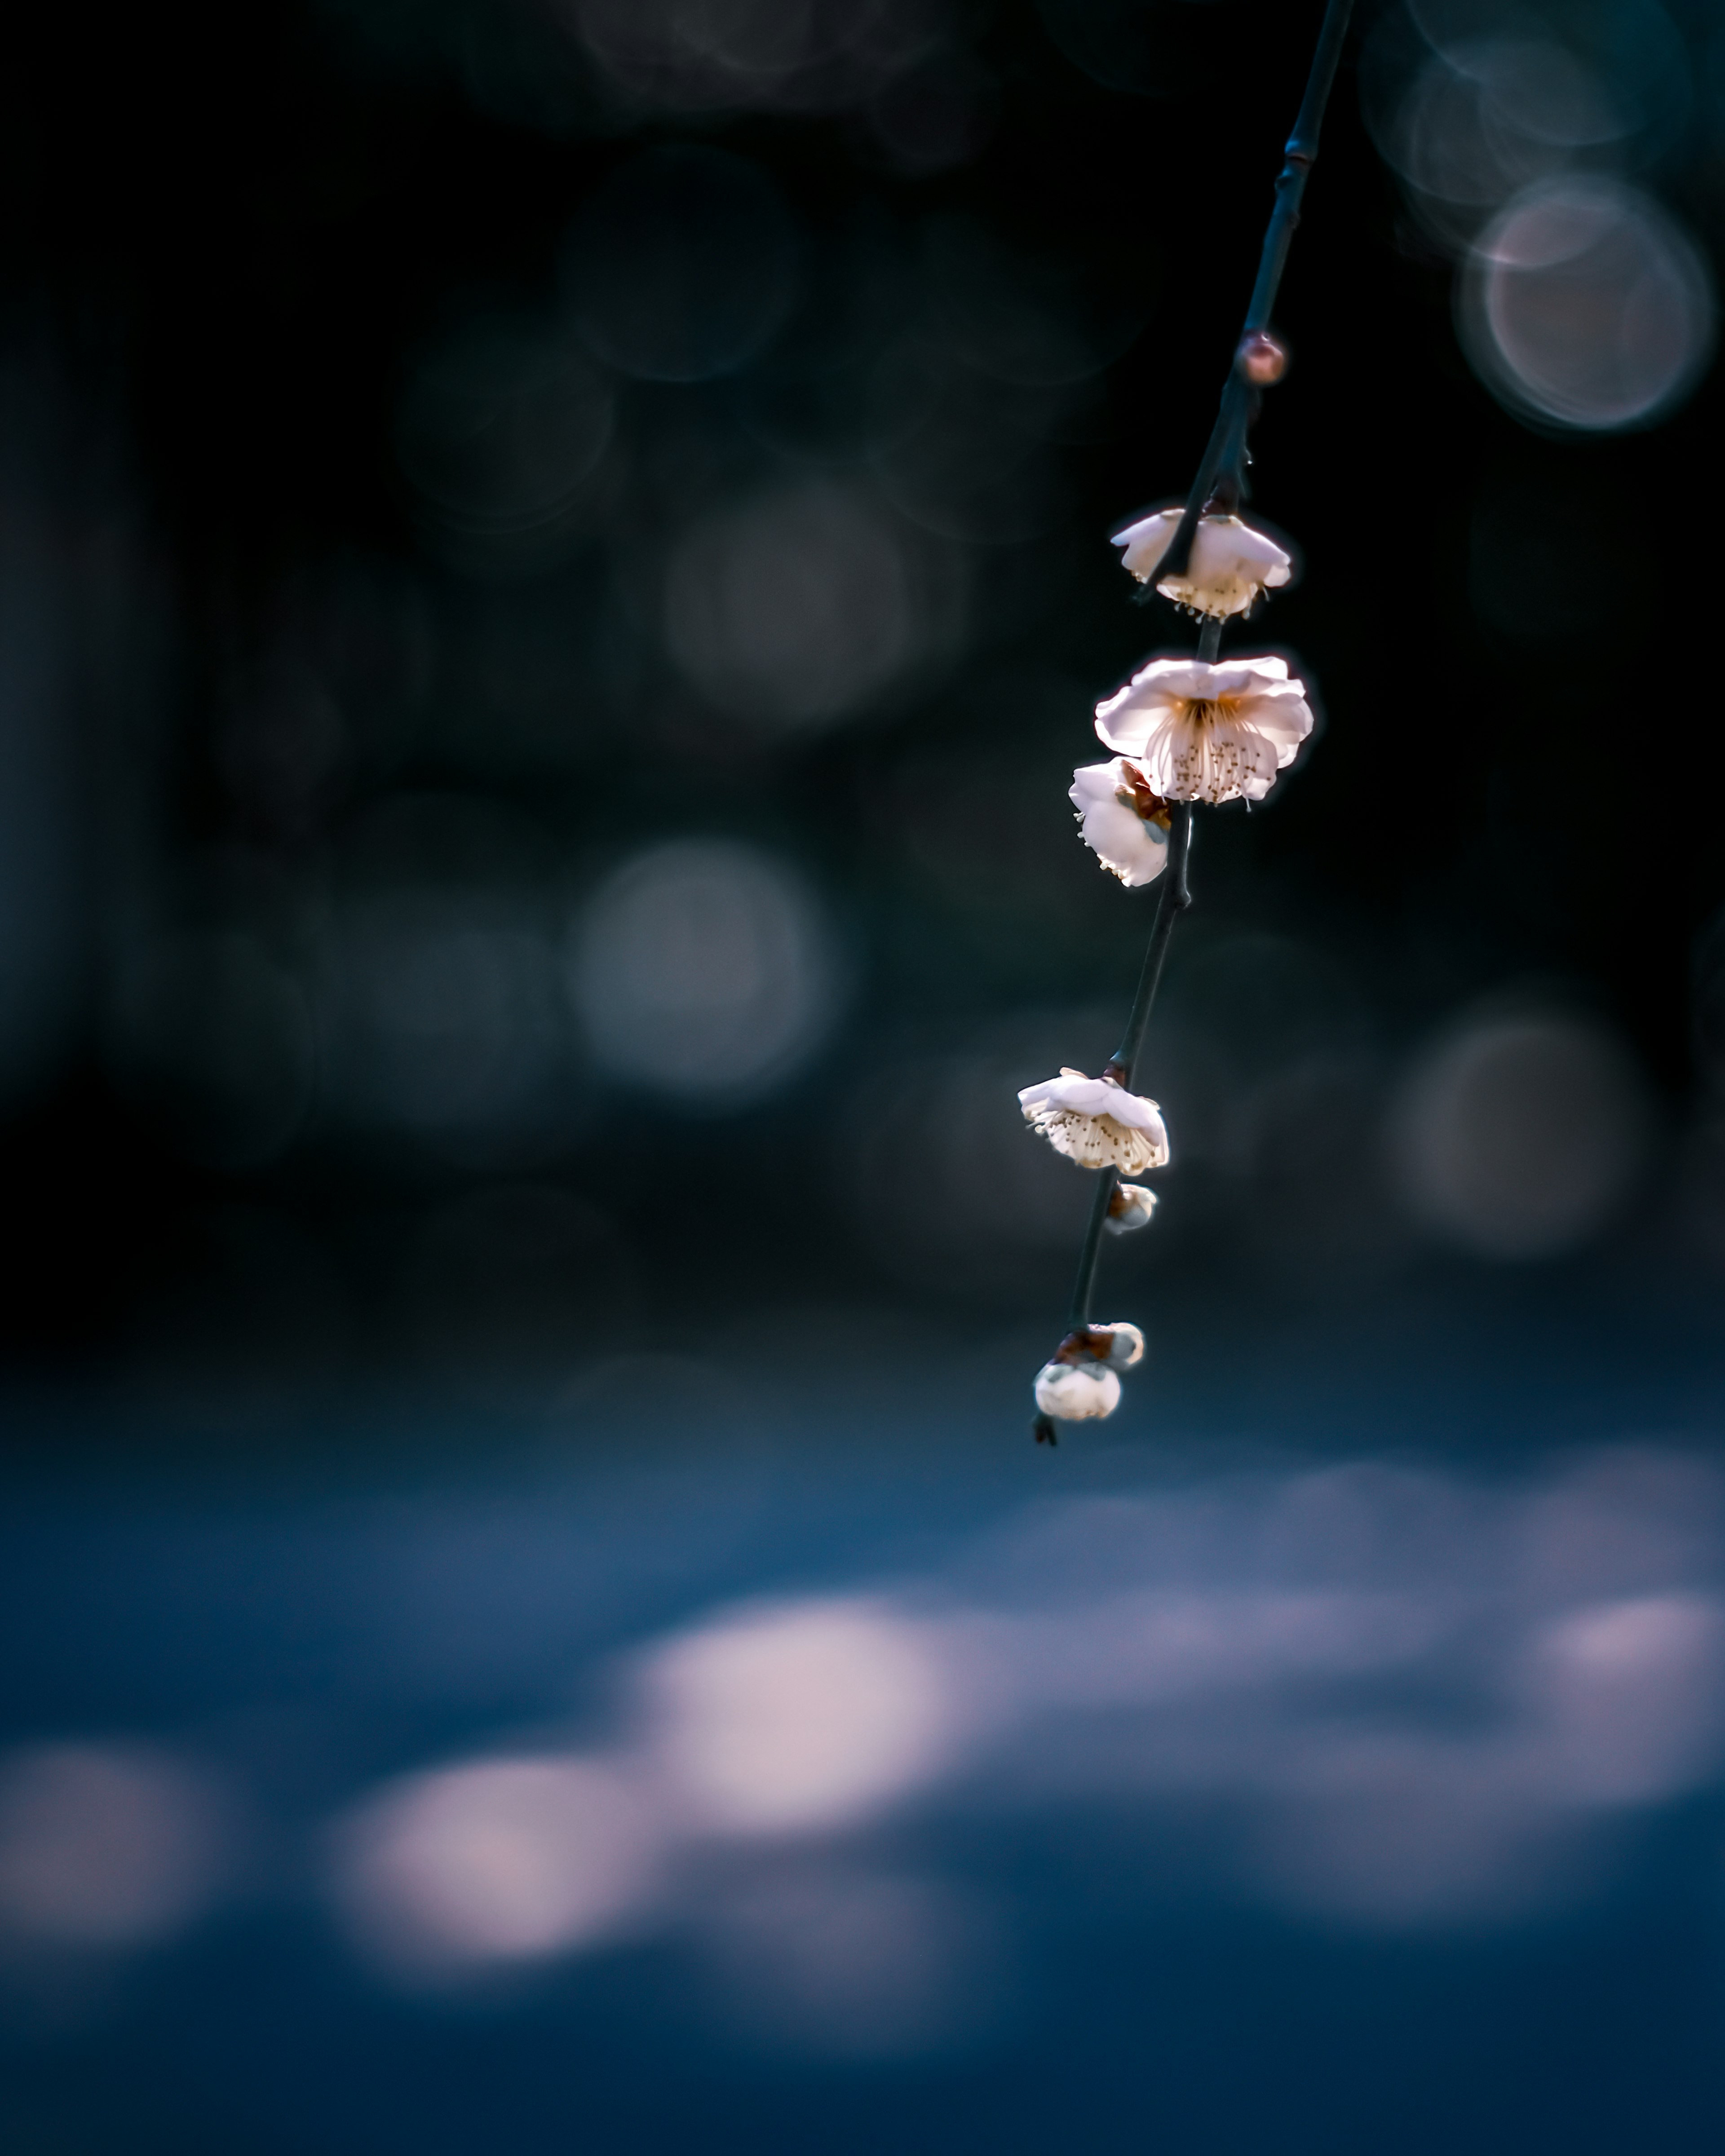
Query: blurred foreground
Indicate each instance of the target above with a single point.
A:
(1341, 1771)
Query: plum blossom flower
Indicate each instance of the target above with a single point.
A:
(1231, 564)
(1072, 1392)
(1130, 1207)
(1202, 731)
(1096, 1122)
(1123, 821)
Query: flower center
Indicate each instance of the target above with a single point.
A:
(1136, 793)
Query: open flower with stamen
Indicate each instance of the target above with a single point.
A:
(1096, 1122)
(1200, 731)
(1231, 564)
(1130, 1206)
(1121, 820)
(1073, 1392)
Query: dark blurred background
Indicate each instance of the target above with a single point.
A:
(554, 569)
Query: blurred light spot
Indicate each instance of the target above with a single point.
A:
(796, 1719)
(682, 264)
(215, 1042)
(504, 1861)
(791, 610)
(501, 426)
(1411, 1832)
(1498, 113)
(1164, 1645)
(1585, 303)
(853, 1963)
(1519, 1137)
(705, 970)
(1623, 1524)
(103, 1847)
(1633, 1696)
(1444, 148)
(1630, 58)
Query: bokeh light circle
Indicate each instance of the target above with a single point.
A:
(792, 609)
(1518, 1138)
(1584, 302)
(706, 970)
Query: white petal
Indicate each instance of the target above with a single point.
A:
(1120, 838)
(1146, 541)
(1071, 1393)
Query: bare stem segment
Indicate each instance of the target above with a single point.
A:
(1171, 901)
(1226, 454)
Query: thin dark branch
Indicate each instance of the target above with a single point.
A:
(1224, 456)
(1172, 899)
(1223, 468)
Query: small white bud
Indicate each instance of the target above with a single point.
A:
(1122, 1344)
(1129, 1207)
(1077, 1392)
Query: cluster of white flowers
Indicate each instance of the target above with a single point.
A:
(1182, 730)
(1190, 729)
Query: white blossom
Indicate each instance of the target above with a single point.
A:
(1205, 731)
(1129, 1207)
(1123, 821)
(1074, 1392)
(1229, 567)
(1096, 1122)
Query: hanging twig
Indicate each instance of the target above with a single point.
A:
(1259, 360)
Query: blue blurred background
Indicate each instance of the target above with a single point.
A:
(554, 568)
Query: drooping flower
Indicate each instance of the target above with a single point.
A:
(1130, 1207)
(1231, 564)
(1096, 1122)
(1072, 1392)
(1123, 821)
(1201, 731)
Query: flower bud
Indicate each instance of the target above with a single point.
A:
(1261, 359)
(1072, 1392)
(1122, 1345)
(1129, 1207)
